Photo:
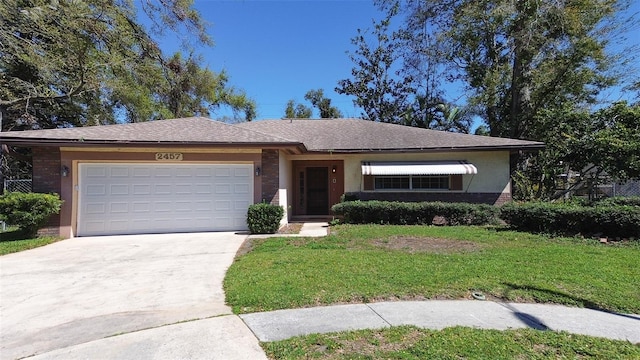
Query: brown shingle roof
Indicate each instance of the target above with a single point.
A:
(193, 130)
(357, 135)
(323, 135)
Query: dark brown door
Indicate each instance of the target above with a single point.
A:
(317, 191)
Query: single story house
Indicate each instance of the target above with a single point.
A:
(195, 174)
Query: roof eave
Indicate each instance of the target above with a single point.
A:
(295, 147)
(512, 148)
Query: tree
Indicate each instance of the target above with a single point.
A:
(611, 143)
(90, 62)
(519, 57)
(323, 104)
(395, 80)
(604, 144)
(378, 89)
(195, 91)
(297, 111)
(533, 69)
(454, 118)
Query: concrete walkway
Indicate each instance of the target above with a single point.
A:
(123, 297)
(437, 314)
(309, 229)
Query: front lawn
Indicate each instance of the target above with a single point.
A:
(366, 263)
(13, 241)
(452, 343)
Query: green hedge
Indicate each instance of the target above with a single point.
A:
(603, 218)
(264, 218)
(620, 201)
(28, 211)
(570, 219)
(414, 213)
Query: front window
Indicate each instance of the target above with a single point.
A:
(411, 182)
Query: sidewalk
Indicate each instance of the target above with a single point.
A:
(309, 229)
(439, 314)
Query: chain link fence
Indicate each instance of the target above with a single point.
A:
(22, 185)
(630, 188)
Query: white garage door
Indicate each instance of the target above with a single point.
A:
(158, 198)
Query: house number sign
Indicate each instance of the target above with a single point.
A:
(167, 156)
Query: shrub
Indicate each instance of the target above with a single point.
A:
(468, 214)
(383, 212)
(264, 218)
(412, 213)
(570, 219)
(620, 201)
(28, 211)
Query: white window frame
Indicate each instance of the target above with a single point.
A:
(410, 182)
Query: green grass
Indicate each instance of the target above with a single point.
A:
(13, 241)
(347, 267)
(452, 343)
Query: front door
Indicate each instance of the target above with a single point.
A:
(318, 186)
(317, 191)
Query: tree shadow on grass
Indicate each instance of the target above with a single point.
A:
(584, 302)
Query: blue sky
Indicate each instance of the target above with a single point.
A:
(277, 50)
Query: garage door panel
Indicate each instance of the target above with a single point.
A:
(163, 172)
(241, 205)
(96, 172)
(163, 189)
(141, 207)
(241, 188)
(184, 173)
(182, 206)
(118, 225)
(141, 198)
(119, 207)
(203, 189)
(225, 220)
(239, 223)
(140, 189)
(163, 206)
(119, 189)
(203, 206)
(98, 208)
(96, 190)
(223, 205)
(141, 171)
(183, 189)
(241, 172)
(119, 171)
(223, 172)
(203, 172)
(223, 189)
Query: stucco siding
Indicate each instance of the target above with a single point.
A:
(490, 185)
(492, 177)
(286, 186)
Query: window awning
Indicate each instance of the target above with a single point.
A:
(419, 168)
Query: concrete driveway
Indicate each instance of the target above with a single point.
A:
(78, 297)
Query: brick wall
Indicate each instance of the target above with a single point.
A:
(46, 179)
(270, 176)
(475, 198)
